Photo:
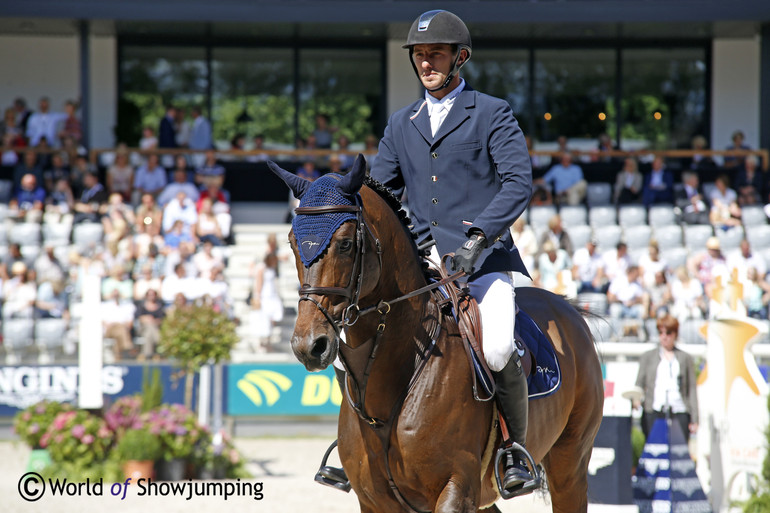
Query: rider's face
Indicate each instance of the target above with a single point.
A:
(433, 61)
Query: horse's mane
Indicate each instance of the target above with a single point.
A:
(392, 201)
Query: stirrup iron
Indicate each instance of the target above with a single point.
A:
(516, 449)
(332, 476)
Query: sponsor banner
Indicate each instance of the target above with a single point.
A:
(23, 385)
(281, 389)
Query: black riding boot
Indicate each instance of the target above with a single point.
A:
(513, 401)
(328, 475)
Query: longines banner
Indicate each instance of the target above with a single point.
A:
(281, 389)
(23, 385)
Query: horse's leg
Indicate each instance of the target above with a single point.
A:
(566, 467)
(456, 498)
(492, 509)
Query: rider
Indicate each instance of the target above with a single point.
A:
(463, 161)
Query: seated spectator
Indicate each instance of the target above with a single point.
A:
(626, 295)
(744, 259)
(557, 235)
(57, 170)
(117, 322)
(738, 144)
(658, 297)
(346, 158)
(526, 241)
(150, 178)
(658, 185)
(628, 184)
(692, 201)
(207, 228)
(688, 300)
(699, 161)
(71, 128)
(118, 280)
(725, 217)
(79, 169)
(756, 294)
(9, 156)
(258, 145)
(51, 301)
(120, 175)
(205, 260)
(27, 203)
(181, 208)
(176, 283)
(60, 203)
(554, 270)
(20, 293)
(179, 183)
(616, 261)
(14, 255)
(119, 218)
(29, 165)
(48, 266)
(183, 255)
(707, 265)
(148, 140)
(153, 259)
(568, 186)
(588, 268)
(145, 281)
(149, 316)
(92, 201)
(178, 235)
(722, 195)
(148, 211)
(210, 172)
(220, 207)
(651, 263)
(750, 182)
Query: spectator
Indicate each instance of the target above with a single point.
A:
(308, 171)
(218, 290)
(184, 256)
(750, 182)
(210, 172)
(205, 260)
(220, 208)
(258, 145)
(588, 268)
(722, 195)
(566, 181)
(181, 208)
(29, 165)
(144, 281)
(117, 321)
(744, 259)
(183, 129)
(347, 158)
(200, 136)
(628, 184)
(150, 258)
(150, 178)
(526, 241)
(658, 184)
(323, 132)
(118, 219)
(707, 265)
(8, 125)
(120, 175)
(370, 149)
(14, 255)
(148, 140)
(119, 281)
(554, 270)
(207, 228)
(51, 301)
(266, 304)
(167, 129)
(57, 170)
(22, 114)
(28, 201)
(20, 293)
(176, 283)
(72, 128)
(738, 144)
(148, 212)
(177, 235)
(616, 261)
(91, 203)
(691, 200)
(149, 316)
(9, 157)
(756, 294)
(79, 170)
(725, 217)
(667, 377)
(699, 161)
(178, 184)
(48, 267)
(43, 123)
(658, 297)
(557, 235)
(651, 263)
(626, 295)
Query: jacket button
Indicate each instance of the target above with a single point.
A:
(434, 223)
(434, 200)
(434, 155)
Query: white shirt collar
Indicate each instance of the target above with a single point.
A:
(436, 105)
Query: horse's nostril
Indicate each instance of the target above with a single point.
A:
(320, 346)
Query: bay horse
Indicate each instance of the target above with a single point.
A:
(411, 435)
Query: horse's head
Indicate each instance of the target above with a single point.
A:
(337, 260)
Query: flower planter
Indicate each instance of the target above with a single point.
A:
(172, 470)
(136, 470)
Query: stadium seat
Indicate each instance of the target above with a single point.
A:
(595, 302)
(573, 215)
(632, 215)
(675, 257)
(25, 234)
(608, 236)
(696, 235)
(759, 236)
(753, 215)
(17, 337)
(730, 239)
(661, 215)
(599, 193)
(602, 215)
(539, 216)
(86, 235)
(668, 236)
(579, 235)
(49, 337)
(57, 234)
(637, 236)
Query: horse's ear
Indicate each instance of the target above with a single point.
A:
(297, 184)
(351, 183)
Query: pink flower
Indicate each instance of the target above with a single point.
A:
(44, 440)
(26, 416)
(78, 431)
(87, 439)
(34, 428)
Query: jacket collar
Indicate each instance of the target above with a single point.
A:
(457, 115)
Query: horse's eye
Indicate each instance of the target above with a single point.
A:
(346, 245)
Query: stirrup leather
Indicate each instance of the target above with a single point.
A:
(332, 476)
(513, 450)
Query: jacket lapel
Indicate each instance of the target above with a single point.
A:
(457, 115)
(421, 120)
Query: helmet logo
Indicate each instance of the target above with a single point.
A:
(425, 20)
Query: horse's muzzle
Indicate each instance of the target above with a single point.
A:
(316, 354)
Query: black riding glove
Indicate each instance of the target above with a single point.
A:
(467, 254)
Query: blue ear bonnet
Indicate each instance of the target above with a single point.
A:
(314, 232)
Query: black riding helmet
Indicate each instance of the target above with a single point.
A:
(435, 27)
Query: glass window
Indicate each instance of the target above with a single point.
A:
(346, 86)
(152, 77)
(504, 74)
(574, 93)
(664, 97)
(253, 93)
